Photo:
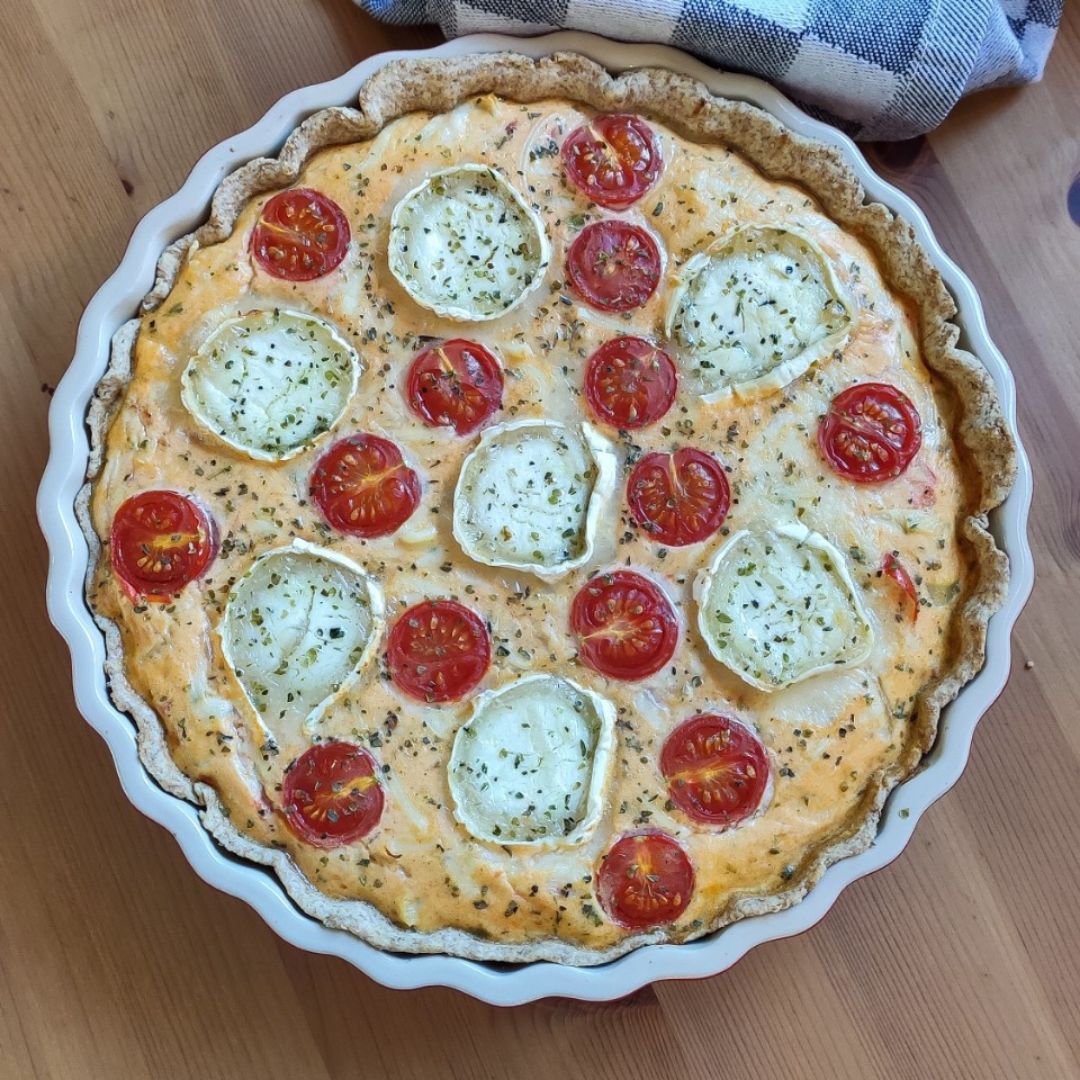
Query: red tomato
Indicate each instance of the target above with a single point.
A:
(680, 498)
(629, 383)
(645, 879)
(870, 433)
(457, 384)
(716, 769)
(625, 625)
(438, 651)
(159, 542)
(363, 487)
(614, 159)
(332, 794)
(893, 568)
(301, 234)
(613, 265)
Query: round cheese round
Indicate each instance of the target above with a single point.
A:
(777, 605)
(754, 311)
(270, 383)
(465, 244)
(298, 625)
(529, 766)
(531, 494)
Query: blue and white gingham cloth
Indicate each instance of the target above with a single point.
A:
(879, 69)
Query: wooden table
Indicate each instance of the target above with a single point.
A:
(960, 960)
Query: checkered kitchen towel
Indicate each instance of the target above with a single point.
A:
(879, 69)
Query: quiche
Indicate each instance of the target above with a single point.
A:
(542, 513)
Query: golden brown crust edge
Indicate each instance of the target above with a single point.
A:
(686, 106)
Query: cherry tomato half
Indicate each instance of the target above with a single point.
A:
(870, 433)
(301, 234)
(716, 769)
(438, 651)
(614, 159)
(332, 794)
(363, 487)
(891, 567)
(645, 879)
(160, 541)
(613, 265)
(630, 383)
(457, 384)
(680, 498)
(625, 625)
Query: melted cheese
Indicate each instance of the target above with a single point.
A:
(755, 311)
(778, 605)
(465, 244)
(298, 624)
(529, 766)
(271, 382)
(530, 496)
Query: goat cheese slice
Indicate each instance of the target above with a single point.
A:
(531, 494)
(298, 627)
(270, 383)
(530, 765)
(778, 605)
(466, 245)
(754, 312)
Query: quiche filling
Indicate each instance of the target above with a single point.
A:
(508, 641)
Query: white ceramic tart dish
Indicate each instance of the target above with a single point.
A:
(732, 566)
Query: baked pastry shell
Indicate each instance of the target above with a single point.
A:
(682, 102)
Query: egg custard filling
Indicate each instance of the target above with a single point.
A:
(542, 513)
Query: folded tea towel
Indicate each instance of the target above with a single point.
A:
(879, 69)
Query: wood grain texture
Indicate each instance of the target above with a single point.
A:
(116, 961)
